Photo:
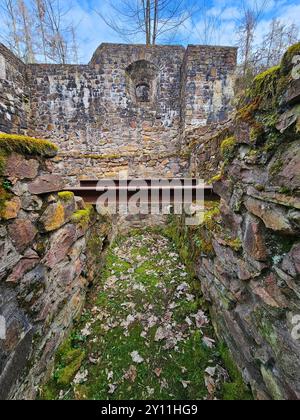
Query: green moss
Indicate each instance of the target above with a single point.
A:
(228, 147)
(286, 63)
(212, 216)
(103, 157)
(66, 196)
(246, 113)
(235, 244)
(215, 178)
(257, 133)
(3, 157)
(235, 390)
(265, 84)
(69, 361)
(272, 384)
(276, 167)
(83, 217)
(27, 145)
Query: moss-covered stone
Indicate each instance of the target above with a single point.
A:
(54, 217)
(286, 63)
(83, 217)
(265, 85)
(228, 147)
(235, 390)
(69, 361)
(272, 384)
(66, 196)
(27, 145)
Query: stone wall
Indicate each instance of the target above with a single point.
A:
(49, 253)
(93, 111)
(246, 253)
(204, 146)
(208, 85)
(14, 93)
(126, 110)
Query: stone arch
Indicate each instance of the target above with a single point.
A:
(142, 76)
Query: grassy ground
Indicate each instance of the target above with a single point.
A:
(143, 334)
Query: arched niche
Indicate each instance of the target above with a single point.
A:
(142, 81)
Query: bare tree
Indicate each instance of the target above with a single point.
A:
(11, 36)
(26, 24)
(39, 9)
(74, 46)
(148, 19)
(275, 43)
(55, 38)
(251, 17)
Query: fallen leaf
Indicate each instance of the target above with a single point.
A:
(136, 358)
(208, 342)
(86, 332)
(110, 375)
(81, 377)
(158, 372)
(201, 319)
(160, 334)
(185, 384)
(112, 388)
(150, 391)
(210, 384)
(211, 371)
(131, 374)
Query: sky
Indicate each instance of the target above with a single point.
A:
(92, 30)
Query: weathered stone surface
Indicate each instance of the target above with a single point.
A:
(32, 285)
(9, 256)
(284, 168)
(235, 266)
(291, 262)
(80, 204)
(274, 217)
(30, 260)
(254, 241)
(31, 202)
(288, 119)
(292, 94)
(22, 233)
(16, 363)
(45, 184)
(269, 292)
(223, 189)
(274, 197)
(18, 167)
(57, 214)
(231, 220)
(11, 208)
(60, 245)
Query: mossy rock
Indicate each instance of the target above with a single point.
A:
(228, 147)
(83, 217)
(237, 389)
(287, 60)
(265, 82)
(66, 375)
(25, 145)
(66, 196)
(69, 361)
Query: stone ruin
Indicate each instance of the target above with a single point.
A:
(127, 110)
(161, 111)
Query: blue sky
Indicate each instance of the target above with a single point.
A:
(93, 31)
